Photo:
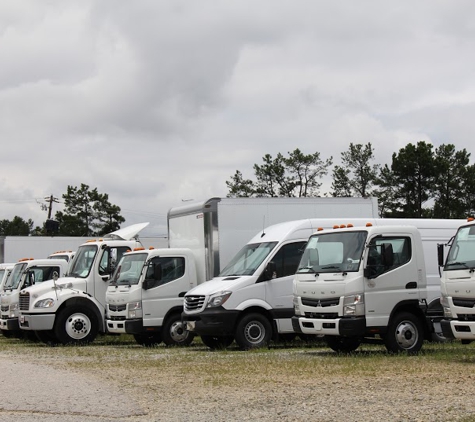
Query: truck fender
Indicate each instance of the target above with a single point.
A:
(89, 302)
(257, 303)
(411, 306)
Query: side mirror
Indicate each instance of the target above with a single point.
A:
(440, 254)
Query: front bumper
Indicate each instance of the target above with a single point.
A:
(345, 327)
(455, 329)
(215, 322)
(37, 322)
(125, 326)
(10, 324)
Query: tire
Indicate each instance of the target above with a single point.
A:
(405, 334)
(148, 339)
(174, 332)
(218, 342)
(253, 331)
(46, 336)
(342, 344)
(76, 325)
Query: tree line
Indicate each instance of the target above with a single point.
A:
(420, 182)
(86, 213)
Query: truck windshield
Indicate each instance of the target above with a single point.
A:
(333, 252)
(462, 252)
(248, 259)
(82, 262)
(129, 269)
(15, 277)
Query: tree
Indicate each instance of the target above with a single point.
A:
(16, 227)
(414, 174)
(449, 187)
(295, 175)
(87, 213)
(386, 191)
(356, 176)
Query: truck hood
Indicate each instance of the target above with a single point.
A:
(219, 284)
(49, 285)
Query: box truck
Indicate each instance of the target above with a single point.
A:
(376, 281)
(71, 309)
(457, 284)
(203, 238)
(26, 272)
(5, 270)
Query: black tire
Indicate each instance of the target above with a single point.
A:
(76, 325)
(342, 344)
(405, 334)
(46, 336)
(174, 332)
(217, 342)
(148, 339)
(253, 331)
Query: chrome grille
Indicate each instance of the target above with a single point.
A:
(4, 308)
(321, 302)
(117, 308)
(24, 301)
(194, 303)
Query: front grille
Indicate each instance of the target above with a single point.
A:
(194, 303)
(24, 301)
(465, 303)
(5, 308)
(4, 317)
(117, 308)
(321, 302)
(328, 315)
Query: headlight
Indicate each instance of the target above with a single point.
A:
(134, 310)
(297, 307)
(444, 301)
(353, 305)
(218, 299)
(45, 303)
(14, 309)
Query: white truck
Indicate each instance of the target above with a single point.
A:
(377, 281)
(26, 272)
(203, 237)
(457, 284)
(72, 309)
(251, 299)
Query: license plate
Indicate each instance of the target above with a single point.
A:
(22, 319)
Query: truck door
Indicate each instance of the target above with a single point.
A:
(165, 285)
(279, 293)
(387, 285)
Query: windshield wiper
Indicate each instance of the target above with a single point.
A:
(331, 267)
(457, 263)
(307, 268)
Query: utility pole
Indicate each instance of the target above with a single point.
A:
(51, 199)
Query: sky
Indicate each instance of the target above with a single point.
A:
(159, 102)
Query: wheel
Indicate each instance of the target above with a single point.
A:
(343, 344)
(174, 333)
(148, 339)
(76, 324)
(405, 333)
(46, 336)
(218, 342)
(253, 331)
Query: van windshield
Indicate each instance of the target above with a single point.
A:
(333, 252)
(248, 259)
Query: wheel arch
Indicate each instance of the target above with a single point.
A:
(412, 307)
(88, 303)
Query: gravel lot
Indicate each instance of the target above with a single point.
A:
(124, 382)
